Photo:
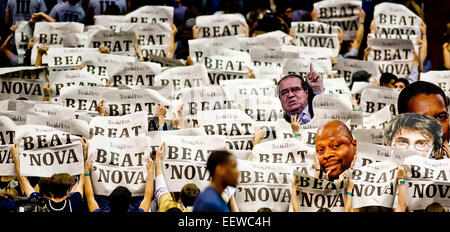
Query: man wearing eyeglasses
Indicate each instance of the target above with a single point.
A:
(296, 94)
(415, 132)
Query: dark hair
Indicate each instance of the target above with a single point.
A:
(417, 88)
(188, 194)
(345, 47)
(375, 209)
(174, 210)
(60, 183)
(120, 199)
(215, 159)
(264, 210)
(112, 9)
(44, 186)
(324, 210)
(428, 126)
(228, 6)
(434, 207)
(268, 23)
(73, 2)
(386, 78)
(306, 17)
(403, 80)
(447, 35)
(360, 76)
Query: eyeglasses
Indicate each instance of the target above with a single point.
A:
(294, 90)
(419, 145)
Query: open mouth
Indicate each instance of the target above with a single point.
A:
(292, 102)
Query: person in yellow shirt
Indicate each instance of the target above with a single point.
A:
(165, 200)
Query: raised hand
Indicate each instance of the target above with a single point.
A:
(296, 121)
(259, 135)
(401, 172)
(195, 30)
(101, 108)
(314, 80)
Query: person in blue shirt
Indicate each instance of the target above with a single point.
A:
(65, 193)
(98, 7)
(22, 10)
(69, 11)
(8, 198)
(222, 167)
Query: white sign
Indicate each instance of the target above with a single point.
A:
(344, 14)
(119, 162)
(427, 182)
(185, 159)
(130, 125)
(45, 151)
(375, 185)
(392, 18)
(220, 25)
(317, 37)
(183, 77)
(7, 139)
(392, 56)
(263, 185)
(22, 82)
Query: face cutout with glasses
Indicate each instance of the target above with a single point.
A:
(414, 141)
(293, 90)
(293, 97)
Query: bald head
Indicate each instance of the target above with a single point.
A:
(334, 127)
(335, 148)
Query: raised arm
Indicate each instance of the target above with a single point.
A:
(366, 53)
(47, 92)
(148, 195)
(314, 15)
(296, 121)
(23, 181)
(401, 189)
(101, 108)
(446, 54)
(195, 30)
(88, 190)
(41, 15)
(41, 51)
(259, 135)
(348, 196)
(423, 50)
(161, 114)
(4, 48)
(173, 45)
(360, 33)
(158, 158)
(233, 204)
(79, 187)
(294, 200)
(245, 28)
(138, 50)
(315, 80)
